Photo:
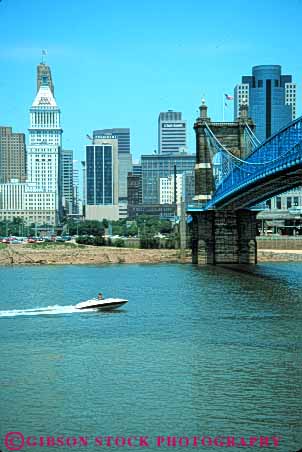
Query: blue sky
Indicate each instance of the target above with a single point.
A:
(118, 64)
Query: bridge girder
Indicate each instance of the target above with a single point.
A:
(258, 191)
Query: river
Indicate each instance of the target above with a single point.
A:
(198, 352)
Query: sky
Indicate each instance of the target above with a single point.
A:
(119, 63)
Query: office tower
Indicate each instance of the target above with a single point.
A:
(125, 159)
(188, 186)
(171, 191)
(134, 183)
(12, 155)
(122, 135)
(241, 97)
(76, 185)
(83, 164)
(137, 169)
(38, 200)
(45, 138)
(125, 167)
(271, 99)
(102, 179)
(156, 166)
(67, 180)
(291, 97)
(43, 70)
(172, 133)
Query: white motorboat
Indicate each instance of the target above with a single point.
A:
(107, 304)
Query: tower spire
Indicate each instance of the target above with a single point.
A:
(44, 54)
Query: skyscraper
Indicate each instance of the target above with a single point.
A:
(67, 180)
(12, 155)
(122, 135)
(172, 133)
(102, 179)
(155, 167)
(271, 98)
(76, 185)
(45, 138)
(125, 159)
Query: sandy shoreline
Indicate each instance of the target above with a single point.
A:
(61, 255)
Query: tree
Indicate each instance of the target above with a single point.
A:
(165, 227)
(105, 223)
(90, 227)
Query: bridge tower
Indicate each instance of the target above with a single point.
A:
(221, 236)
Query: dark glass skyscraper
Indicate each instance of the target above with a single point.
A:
(99, 175)
(271, 98)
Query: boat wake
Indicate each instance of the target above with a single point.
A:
(48, 310)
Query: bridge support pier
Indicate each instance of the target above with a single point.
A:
(224, 237)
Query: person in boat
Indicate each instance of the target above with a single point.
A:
(100, 296)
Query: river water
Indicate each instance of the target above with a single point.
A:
(197, 352)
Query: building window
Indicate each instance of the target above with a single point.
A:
(276, 83)
(288, 203)
(260, 83)
(278, 202)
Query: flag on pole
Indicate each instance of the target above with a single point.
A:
(44, 52)
(228, 97)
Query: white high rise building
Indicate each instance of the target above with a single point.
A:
(167, 189)
(172, 133)
(45, 140)
(291, 97)
(39, 199)
(241, 97)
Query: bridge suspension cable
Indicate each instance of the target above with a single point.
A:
(221, 147)
(231, 173)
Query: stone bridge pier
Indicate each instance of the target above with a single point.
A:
(224, 237)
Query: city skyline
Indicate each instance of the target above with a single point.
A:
(133, 99)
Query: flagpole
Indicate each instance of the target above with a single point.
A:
(223, 108)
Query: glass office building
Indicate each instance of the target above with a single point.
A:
(99, 174)
(271, 98)
(158, 166)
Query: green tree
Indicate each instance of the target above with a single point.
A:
(105, 223)
(90, 227)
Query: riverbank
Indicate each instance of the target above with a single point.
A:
(279, 255)
(84, 254)
(80, 255)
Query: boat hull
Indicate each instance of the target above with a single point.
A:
(101, 305)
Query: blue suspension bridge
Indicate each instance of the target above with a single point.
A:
(234, 172)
